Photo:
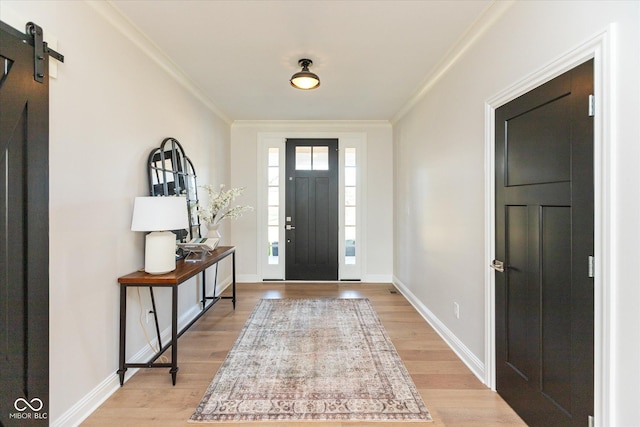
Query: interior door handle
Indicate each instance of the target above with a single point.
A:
(290, 227)
(497, 265)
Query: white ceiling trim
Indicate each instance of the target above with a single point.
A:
(489, 17)
(318, 124)
(107, 10)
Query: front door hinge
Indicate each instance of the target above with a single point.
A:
(592, 266)
(39, 49)
(592, 105)
(497, 265)
(592, 421)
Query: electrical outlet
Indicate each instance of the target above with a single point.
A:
(456, 310)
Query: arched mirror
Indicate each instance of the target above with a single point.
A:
(172, 173)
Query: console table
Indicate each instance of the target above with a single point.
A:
(184, 271)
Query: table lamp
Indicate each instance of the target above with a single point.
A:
(159, 215)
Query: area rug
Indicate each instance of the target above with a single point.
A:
(312, 359)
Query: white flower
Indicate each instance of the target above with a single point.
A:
(217, 207)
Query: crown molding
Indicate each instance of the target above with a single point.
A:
(127, 28)
(492, 13)
(316, 124)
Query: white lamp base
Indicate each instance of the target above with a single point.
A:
(160, 252)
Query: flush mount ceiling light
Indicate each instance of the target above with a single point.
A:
(305, 79)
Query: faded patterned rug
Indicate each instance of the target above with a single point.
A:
(312, 359)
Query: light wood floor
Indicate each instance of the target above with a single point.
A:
(453, 395)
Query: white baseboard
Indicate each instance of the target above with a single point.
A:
(377, 278)
(248, 278)
(84, 407)
(369, 278)
(468, 358)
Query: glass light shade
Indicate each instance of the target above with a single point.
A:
(305, 80)
(160, 214)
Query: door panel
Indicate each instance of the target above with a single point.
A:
(521, 343)
(323, 196)
(538, 154)
(556, 300)
(24, 230)
(544, 235)
(312, 205)
(302, 215)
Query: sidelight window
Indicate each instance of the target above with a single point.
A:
(350, 205)
(273, 204)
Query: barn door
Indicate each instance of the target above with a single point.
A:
(24, 224)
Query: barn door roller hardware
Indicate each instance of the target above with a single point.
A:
(40, 50)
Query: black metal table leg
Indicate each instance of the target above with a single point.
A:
(203, 300)
(233, 275)
(123, 331)
(155, 316)
(174, 334)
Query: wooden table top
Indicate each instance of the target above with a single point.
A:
(184, 270)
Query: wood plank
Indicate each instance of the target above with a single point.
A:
(453, 395)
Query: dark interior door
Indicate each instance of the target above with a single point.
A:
(544, 236)
(311, 209)
(24, 235)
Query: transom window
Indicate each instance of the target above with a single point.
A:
(312, 158)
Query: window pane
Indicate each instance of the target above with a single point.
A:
(350, 245)
(274, 156)
(273, 234)
(350, 215)
(350, 157)
(350, 177)
(350, 196)
(350, 235)
(273, 198)
(273, 176)
(274, 212)
(320, 158)
(303, 158)
(273, 245)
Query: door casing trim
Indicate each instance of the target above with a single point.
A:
(599, 48)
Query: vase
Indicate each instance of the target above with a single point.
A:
(213, 232)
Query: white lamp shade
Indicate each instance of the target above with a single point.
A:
(160, 214)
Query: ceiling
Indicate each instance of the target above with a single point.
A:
(372, 57)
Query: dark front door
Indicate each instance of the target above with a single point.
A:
(544, 237)
(311, 209)
(24, 239)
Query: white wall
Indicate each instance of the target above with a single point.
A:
(109, 106)
(109, 97)
(378, 265)
(440, 174)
